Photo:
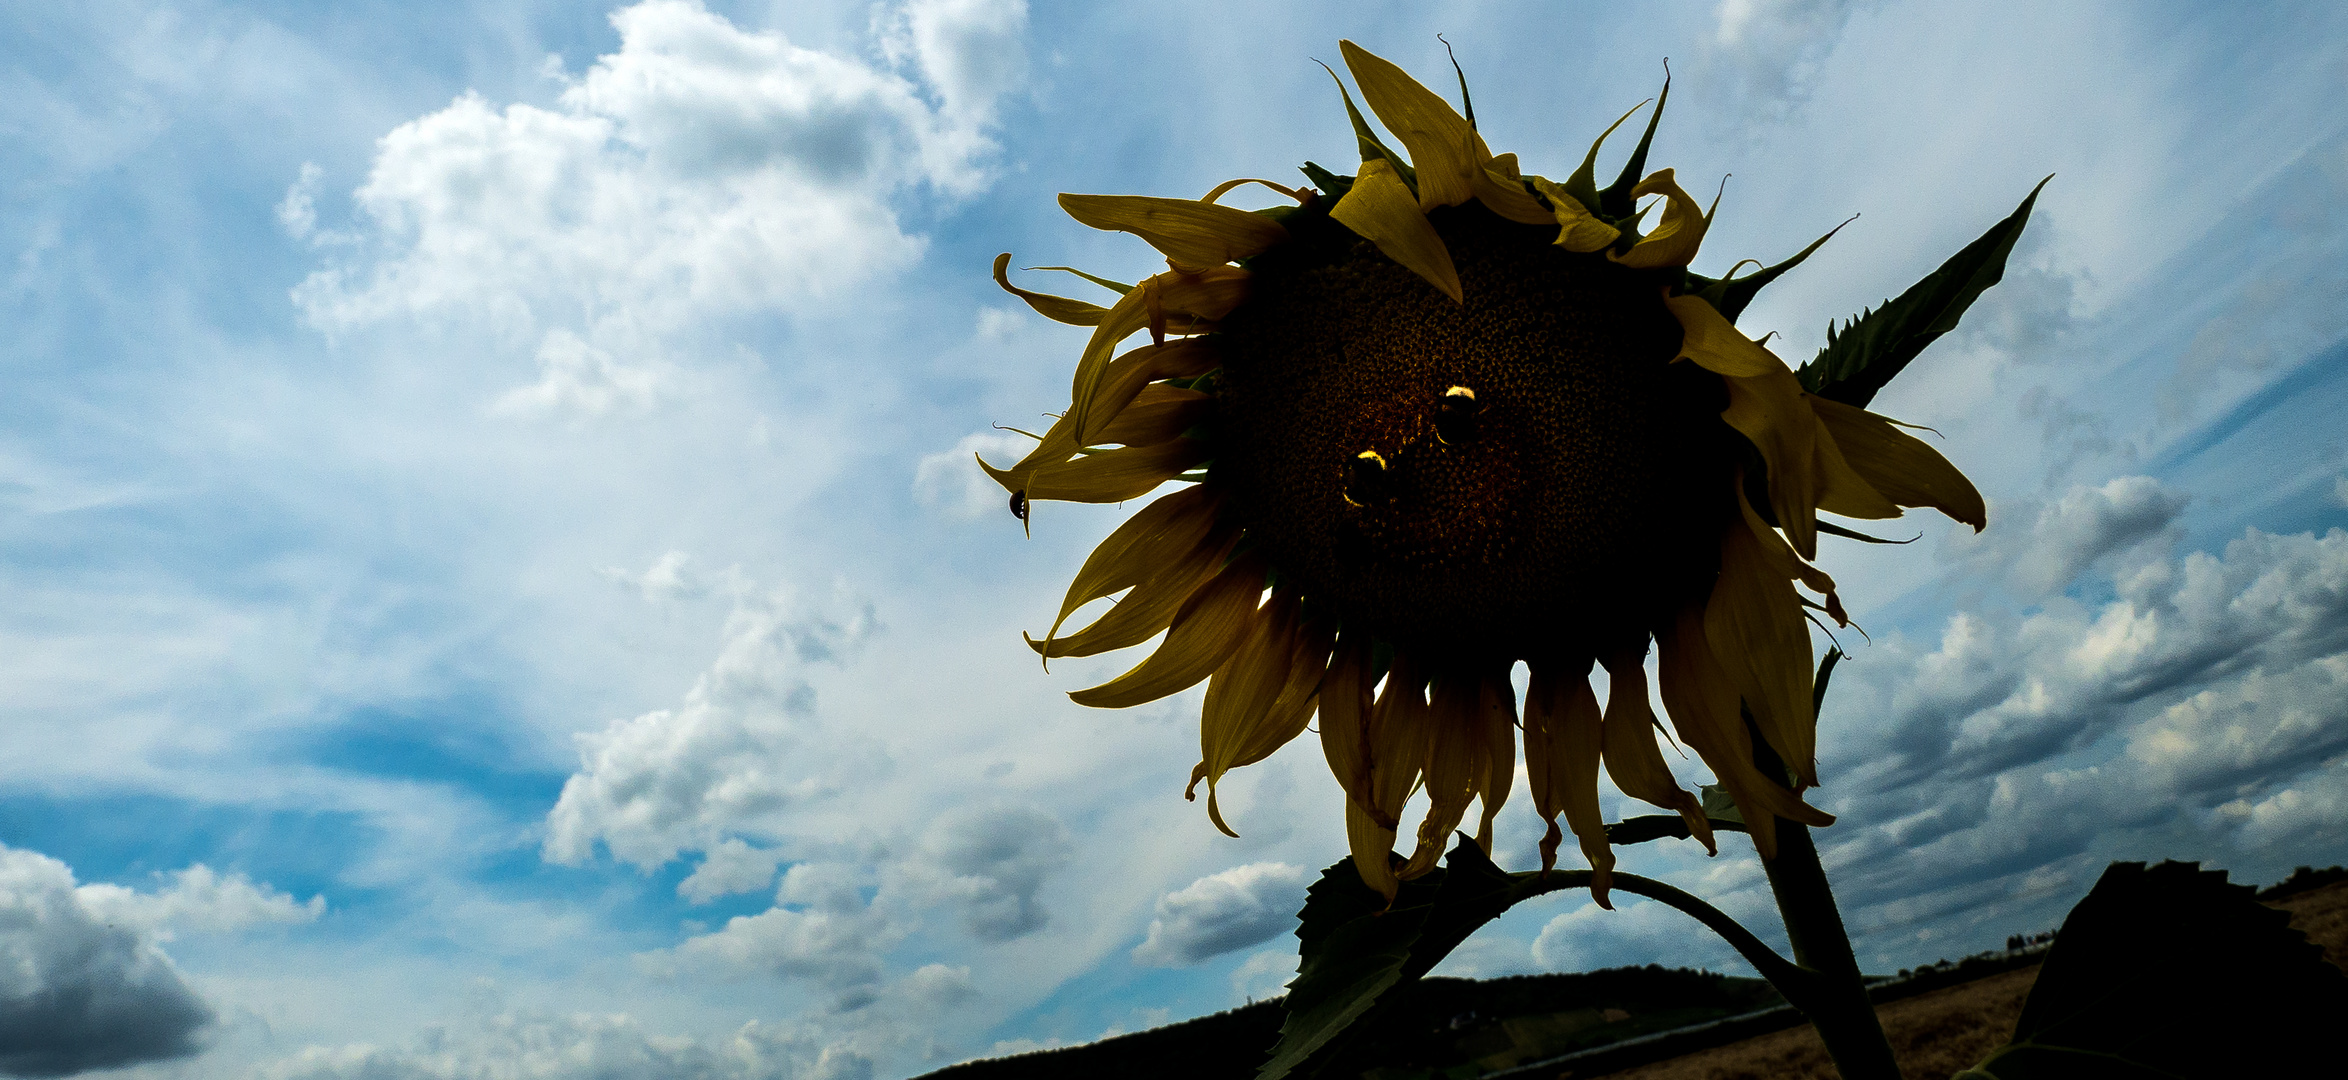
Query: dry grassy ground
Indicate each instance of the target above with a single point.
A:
(1935, 1035)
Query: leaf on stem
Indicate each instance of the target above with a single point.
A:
(1353, 952)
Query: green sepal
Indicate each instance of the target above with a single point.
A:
(1466, 104)
(1616, 201)
(1818, 684)
(1583, 184)
(1333, 187)
(1371, 148)
(1867, 351)
(2169, 971)
(1729, 295)
(1832, 529)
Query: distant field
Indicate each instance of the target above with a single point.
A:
(1934, 1035)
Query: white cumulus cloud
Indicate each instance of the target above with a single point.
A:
(578, 380)
(200, 900)
(1638, 931)
(951, 482)
(701, 169)
(729, 868)
(730, 759)
(1222, 912)
(821, 930)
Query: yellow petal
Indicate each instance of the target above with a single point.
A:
(1139, 369)
(1123, 380)
(1907, 470)
(1454, 764)
(1633, 759)
(1500, 187)
(1160, 412)
(1769, 409)
(1293, 709)
(1841, 489)
(1577, 228)
(1150, 607)
(1753, 622)
(1130, 315)
(1779, 555)
(1379, 207)
(1160, 535)
(1056, 308)
(1715, 344)
(1704, 709)
(1372, 845)
(1225, 187)
(1496, 728)
(1117, 475)
(1442, 146)
(1184, 303)
(1676, 238)
(1232, 728)
(1564, 742)
(1192, 234)
(1345, 716)
(1057, 445)
(1204, 633)
(1400, 725)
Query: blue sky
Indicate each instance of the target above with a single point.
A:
(495, 584)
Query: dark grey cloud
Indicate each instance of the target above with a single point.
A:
(1222, 912)
(76, 992)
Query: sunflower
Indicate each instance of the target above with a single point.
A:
(1437, 418)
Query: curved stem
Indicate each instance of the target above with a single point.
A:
(1800, 985)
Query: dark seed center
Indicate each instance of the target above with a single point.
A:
(1528, 472)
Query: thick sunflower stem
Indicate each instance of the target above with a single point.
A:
(1837, 1005)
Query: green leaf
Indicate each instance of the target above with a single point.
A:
(1864, 353)
(1721, 807)
(1354, 953)
(2172, 972)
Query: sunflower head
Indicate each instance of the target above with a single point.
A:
(1440, 417)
